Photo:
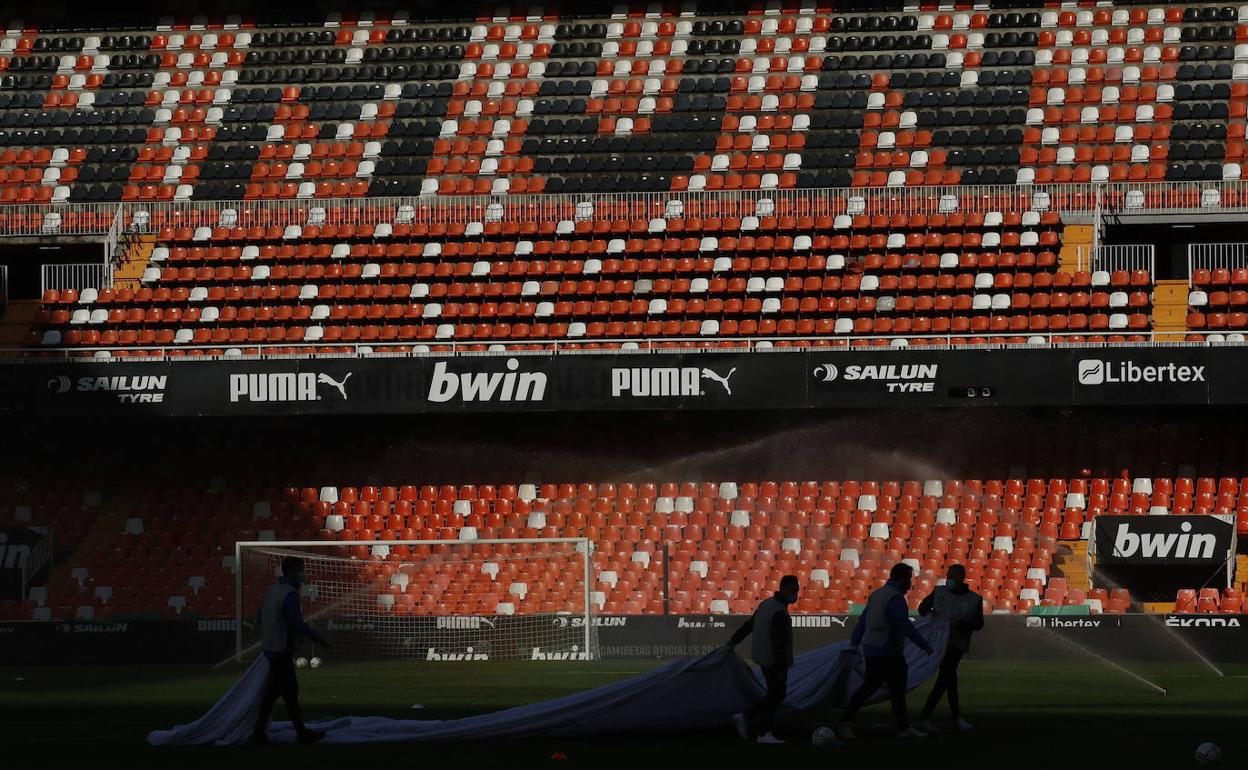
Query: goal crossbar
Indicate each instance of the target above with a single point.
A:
(586, 549)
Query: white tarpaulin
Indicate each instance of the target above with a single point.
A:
(687, 694)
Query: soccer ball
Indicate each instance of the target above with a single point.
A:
(1208, 753)
(315, 663)
(823, 736)
(301, 662)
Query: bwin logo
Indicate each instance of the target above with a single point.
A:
(576, 653)
(432, 654)
(511, 385)
(59, 384)
(826, 372)
(1169, 545)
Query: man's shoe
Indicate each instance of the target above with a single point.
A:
(844, 731)
(743, 727)
(962, 725)
(911, 733)
(927, 726)
(310, 736)
(768, 738)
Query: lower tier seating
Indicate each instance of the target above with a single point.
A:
(1209, 601)
(721, 545)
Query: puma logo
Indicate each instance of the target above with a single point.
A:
(341, 387)
(707, 374)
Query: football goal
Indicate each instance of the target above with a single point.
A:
(432, 600)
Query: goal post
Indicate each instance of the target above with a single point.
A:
(432, 600)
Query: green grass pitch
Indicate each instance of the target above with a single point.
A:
(1072, 714)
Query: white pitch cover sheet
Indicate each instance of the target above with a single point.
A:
(685, 695)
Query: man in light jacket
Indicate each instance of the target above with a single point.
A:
(881, 632)
(281, 623)
(772, 650)
(963, 609)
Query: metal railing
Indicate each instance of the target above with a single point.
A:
(656, 346)
(1215, 256)
(1093, 200)
(29, 219)
(811, 202)
(1122, 256)
(114, 234)
(78, 276)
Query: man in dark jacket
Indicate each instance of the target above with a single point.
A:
(963, 609)
(281, 622)
(882, 630)
(772, 650)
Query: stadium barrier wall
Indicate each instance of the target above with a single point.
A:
(1142, 638)
(1093, 200)
(772, 379)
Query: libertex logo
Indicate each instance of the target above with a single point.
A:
(1094, 371)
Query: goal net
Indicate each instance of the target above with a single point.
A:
(432, 600)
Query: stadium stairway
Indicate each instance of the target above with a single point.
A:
(1070, 561)
(134, 259)
(1076, 245)
(1170, 309)
(17, 324)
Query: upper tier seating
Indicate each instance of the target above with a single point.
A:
(783, 95)
(327, 281)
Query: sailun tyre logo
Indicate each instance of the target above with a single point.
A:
(826, 372)
(894, 378)
(126, 389)
(59, 384)
(599, 621)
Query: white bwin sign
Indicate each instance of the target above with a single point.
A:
(487, 386)
(1170, 545)
(576, 653)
